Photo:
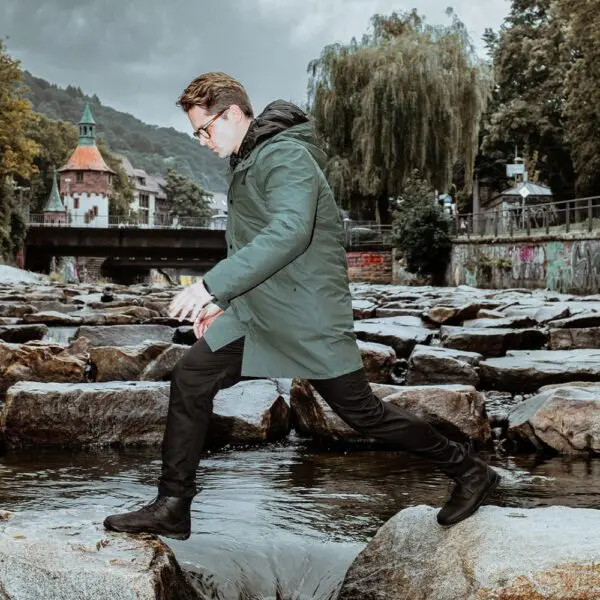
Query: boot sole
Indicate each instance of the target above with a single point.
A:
(493, 485)
(175, 536)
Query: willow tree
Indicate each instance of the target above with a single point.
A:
(408, 96)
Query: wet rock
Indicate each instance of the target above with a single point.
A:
(363, 309)
(52, 318)
(498, 553)
(401, 338)
(567, 339)
(456, 410)
(525, 371)
(506, 322)
(249, 412)
(124, 363)
(486, 313)
(25, 362)
(162, 366)
(133, 413)
(54, 306)
(547, 314)
(95, 319)
(19, 334)
(378, 361)
(125, 335)
(57, 555)
(491, 342)
(398, 312)
(452, 314)
(587, 319)
(565, 419)
(140, 313)
(10, 309)
(430, 365)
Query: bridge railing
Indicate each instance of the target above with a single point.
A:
(153, 222)
(579, 214)
(367, 233)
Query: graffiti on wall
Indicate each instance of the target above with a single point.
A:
(558, 265)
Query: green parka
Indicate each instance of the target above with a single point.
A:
(284, 283)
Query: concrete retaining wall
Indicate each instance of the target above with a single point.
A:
(570, 265)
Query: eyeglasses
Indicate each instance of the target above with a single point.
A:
(202, 132)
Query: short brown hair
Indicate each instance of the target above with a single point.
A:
(215, 92)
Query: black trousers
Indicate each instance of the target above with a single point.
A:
(201, 373)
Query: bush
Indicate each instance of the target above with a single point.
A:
(421, 231)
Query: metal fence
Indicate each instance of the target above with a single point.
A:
(517, 220)
(362, 234)
(158, 221)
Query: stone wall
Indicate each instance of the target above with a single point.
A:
(567, 264)
(373, 266)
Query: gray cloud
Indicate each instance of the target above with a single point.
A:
(137, 55)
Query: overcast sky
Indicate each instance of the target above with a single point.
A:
(138, 55)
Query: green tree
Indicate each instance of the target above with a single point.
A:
(531, 63)
(421, 230)
(17, 151)
(188, 199)
(581, 23)
(408, 96)
(56, 140)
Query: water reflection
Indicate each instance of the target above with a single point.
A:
(292, 515)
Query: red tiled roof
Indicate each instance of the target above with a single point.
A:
(86, 158)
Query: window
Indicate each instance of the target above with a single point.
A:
(79, 177)
(144, 201)
(95, 209)
(75, 203)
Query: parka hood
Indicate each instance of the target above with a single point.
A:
(281, 120)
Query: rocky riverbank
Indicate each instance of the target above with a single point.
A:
(513, 369)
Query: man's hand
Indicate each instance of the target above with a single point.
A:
(207, 315)
(191, 300)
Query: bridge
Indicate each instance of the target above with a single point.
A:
(127, 245)
(132, 247)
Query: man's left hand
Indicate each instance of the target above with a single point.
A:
(191, 300)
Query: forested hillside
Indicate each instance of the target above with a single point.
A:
(149, 147)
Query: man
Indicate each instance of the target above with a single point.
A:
(278, 306)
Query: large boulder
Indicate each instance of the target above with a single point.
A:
(25, 362)
(126, 363)
(249, 412)
(565, 419)
(491, 342)
(584, 319)
(431, 364)
(162, 366)
(497, 554)
(20, 334)
(524, 372)
(453, 314)
(571, 338)
(456, 410)
(133, 413)
(48, 555)
(378, 361)
(391, 332)
(125, 335)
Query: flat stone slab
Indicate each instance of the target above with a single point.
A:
(572, 338)
(57, 554)
(491, 342)
(134, 413)
(565, 419)
(497, 554)
(378, 361)
(430, 365)
(527, 371)
(20, 334)
(390, 332)
(125, 335)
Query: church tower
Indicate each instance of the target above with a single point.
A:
(86, 180)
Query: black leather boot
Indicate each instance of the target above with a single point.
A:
(474, 481)
(166, 515)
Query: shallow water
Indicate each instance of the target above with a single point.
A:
(293, 515)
